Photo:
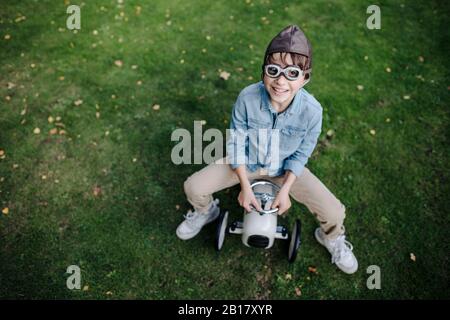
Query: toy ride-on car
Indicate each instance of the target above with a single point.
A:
(259, 229)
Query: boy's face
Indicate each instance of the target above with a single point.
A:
(282, 90)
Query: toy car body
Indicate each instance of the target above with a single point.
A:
(259, 229)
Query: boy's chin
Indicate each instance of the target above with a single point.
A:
(279, 99)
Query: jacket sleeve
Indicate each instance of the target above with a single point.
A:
(297, 161)
(238, 138)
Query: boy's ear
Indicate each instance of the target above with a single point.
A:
(307, 76)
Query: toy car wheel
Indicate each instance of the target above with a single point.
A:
(294, 241)
(221, 229)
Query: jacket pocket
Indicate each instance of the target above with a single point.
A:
(293, 132)
(258, 124)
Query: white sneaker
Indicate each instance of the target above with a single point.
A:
(195, 221)
(341, 251)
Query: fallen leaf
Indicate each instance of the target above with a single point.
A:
(312, 269)
(224, 75)
(53, 131)
(10, 85)
(412, 257)
(62, 132)
(36, 131)
(5, 211)
(15, 166)
(97, 191)
(78, 102)
(330, 133)
(85, 288)
(288, 276)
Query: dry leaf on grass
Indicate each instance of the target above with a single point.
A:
(97, 191)
(312, 269)
(224, 75)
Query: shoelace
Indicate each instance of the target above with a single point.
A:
(191, 217)
(341, 249)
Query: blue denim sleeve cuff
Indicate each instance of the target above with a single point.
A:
(234, 166)
(295, 166)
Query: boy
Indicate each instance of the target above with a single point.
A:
(278, 103)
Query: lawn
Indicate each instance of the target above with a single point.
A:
(86, 176)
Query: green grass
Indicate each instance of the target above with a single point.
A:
(394, 183)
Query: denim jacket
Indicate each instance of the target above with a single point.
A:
(262, 138)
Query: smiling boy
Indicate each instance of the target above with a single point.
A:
(278, 104)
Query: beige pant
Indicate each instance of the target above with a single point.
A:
(307, 189)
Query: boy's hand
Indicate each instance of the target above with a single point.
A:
(247, 198)
(282, 201)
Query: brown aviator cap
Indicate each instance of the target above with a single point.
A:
(291, 39)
